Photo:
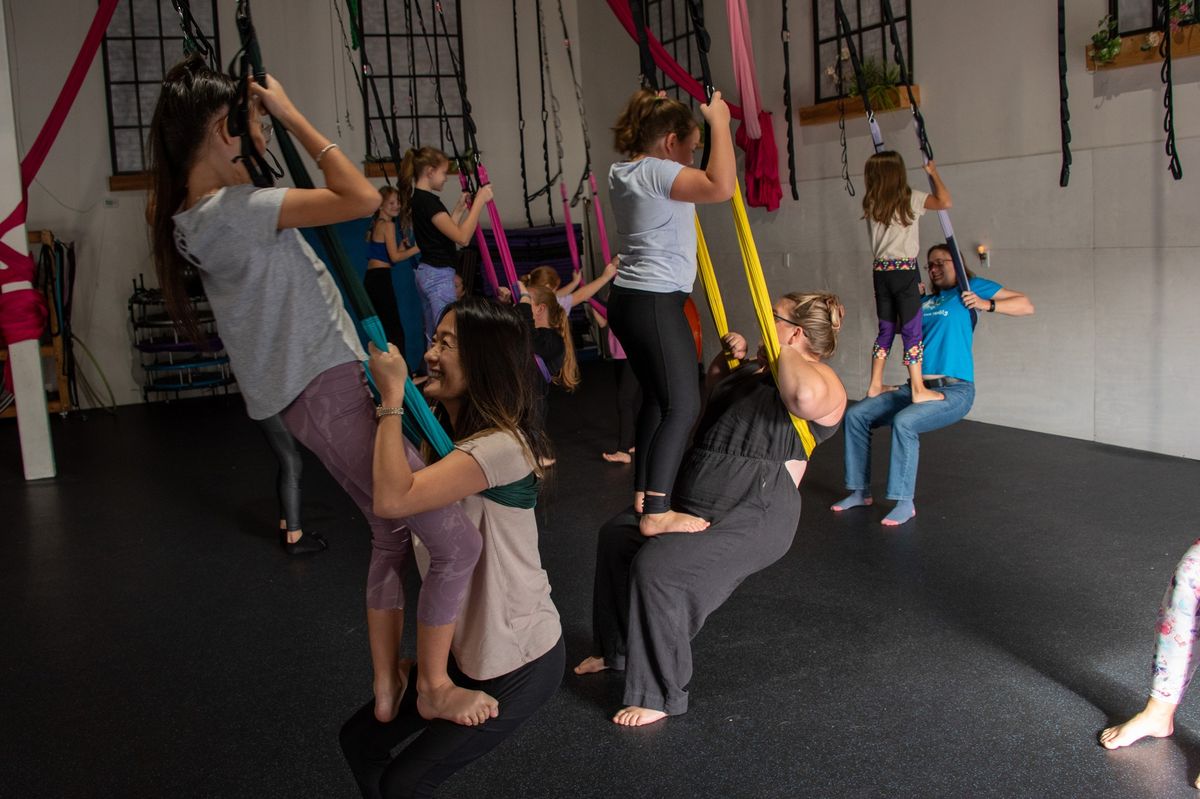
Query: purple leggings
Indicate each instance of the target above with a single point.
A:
(335, 418)
(898, 306)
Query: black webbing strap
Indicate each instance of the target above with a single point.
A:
(390, 137)
(471, 171)
(194, 40)
(786, 35)
(1164, 50)
(542, 68)
(587, 140)
(901, 62)
(262, 174)
(860, 80)
(649, 74)
(1064, 106)
(703, 44)
(841, 107)
(521, 117)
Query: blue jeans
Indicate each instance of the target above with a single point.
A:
(436, 284)
(908, 421)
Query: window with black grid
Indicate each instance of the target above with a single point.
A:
(142, 43)
(671, 23)
(1141, 16)
(871, 37)
(409, 64)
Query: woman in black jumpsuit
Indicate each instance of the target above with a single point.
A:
(653, 594)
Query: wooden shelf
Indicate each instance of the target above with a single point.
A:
(825, 112)
(1184, 42)
(139, 181)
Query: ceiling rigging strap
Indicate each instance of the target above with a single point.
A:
(960, 269)
(545, 189)
(786, 35)
(1064, 107)
(1164, 50)
(521, 117)
(587, 139)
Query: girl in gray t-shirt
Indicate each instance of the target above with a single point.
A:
(291, 343)
(653, 195)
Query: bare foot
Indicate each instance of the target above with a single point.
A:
(460, 705)
(639, 501)
(389, 690)
(546, 463)
(1156, 721)
(671, 522)
(927, 395)
(617, 457)
(637, 716)
(875, 389)
(590, 665)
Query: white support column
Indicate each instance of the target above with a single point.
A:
(33, 423)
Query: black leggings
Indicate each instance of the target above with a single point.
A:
(655, 333)
(629, 396)
(443, 747)
(287, 481)
(378, 283)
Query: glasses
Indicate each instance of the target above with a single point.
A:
(941, 262)
(779, 318)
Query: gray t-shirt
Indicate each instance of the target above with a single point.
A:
(278, 311)
(657, 235)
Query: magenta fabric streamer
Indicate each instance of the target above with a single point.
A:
(489, 266)
(506, 259)
(762, 165)
(744, 73)
(23, 310)
(601, 230)
(570, 224)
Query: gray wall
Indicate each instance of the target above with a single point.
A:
(1112, 262)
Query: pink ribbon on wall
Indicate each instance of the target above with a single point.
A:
(23, 309)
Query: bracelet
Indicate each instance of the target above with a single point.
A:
(326, 149)
(381, 411)
(992, 309)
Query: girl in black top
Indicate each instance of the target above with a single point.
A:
(438, 232)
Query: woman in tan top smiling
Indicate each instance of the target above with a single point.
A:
(508, 641)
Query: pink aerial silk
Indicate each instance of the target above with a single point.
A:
(756, 136)
(572, 245)
(489, 266)
(22, 308)
(506, 259)
(762, 169)
(744, 74)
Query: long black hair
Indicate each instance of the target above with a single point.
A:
(496, 353)
(192, 95)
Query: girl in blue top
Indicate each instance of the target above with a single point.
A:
(949, 367)
(653, 195)
(382, 252)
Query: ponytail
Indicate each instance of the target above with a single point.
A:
(191, 99)
(646, 118)
(568, 376)
(413, 165)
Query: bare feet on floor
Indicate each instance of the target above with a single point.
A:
(389, 690)
(637, 716)
(1156, 721)
(617, 457)
(591, 665)
(671, 522)
(460, 705)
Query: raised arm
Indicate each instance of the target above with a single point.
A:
(810, 390)
(718, 369)
(939, 200)
(716, 183)
(347, 193)
(461, 232)
(1008, 302)
(398, 491)
(589, 290)
(572, 284)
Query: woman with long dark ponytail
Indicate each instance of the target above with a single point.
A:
(291, 343)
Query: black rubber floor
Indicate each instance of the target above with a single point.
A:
(156, 642)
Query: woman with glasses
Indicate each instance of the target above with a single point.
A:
(652, 593)
(949, 367)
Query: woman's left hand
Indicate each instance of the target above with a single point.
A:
(735, 345)
(390, 373)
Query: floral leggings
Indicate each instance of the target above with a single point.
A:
(1178, 629)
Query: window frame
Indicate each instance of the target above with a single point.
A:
(1114, 9)
(137, 178)
(859, 34)
(398, 109)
